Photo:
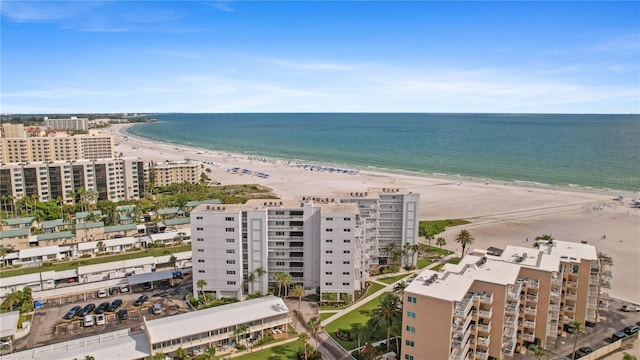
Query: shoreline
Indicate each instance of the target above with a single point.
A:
(500, 213)
(372, 170)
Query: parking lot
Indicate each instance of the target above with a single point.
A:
(612, 321)
(48, 325)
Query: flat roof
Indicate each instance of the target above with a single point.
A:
(148, 277)
(571, 251)
(39, 251)
(18, 221)
(178, 221)
(120, 264)
(196, 322)
(169, 211)
(119, 344)
(9, 323)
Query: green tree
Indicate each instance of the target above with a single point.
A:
(399, 287)
(182, 354)
(251, 277)
(260, 272)
(429, 237)
(538, 352)
(578, 328)
(358, 332)
(545, 237)
(298, 291)
(441, 242)
(465, 239)
(627, 356)
(304, 337)
(390, 250)
(240, 330)
(209, 354)
(388, 311)
(201, 284)
(314, 326)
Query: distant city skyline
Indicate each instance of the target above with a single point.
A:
(240, 56)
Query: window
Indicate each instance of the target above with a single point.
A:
(346, 262)
(411, 329)
(231, 262)
(347, 219)
(279, 233)
(231, 282)
(199, 239)
(199, 228)
(198, 217)
(328, 284)
(201, 271)
(279, 253)
(345, 284)
(229, 218)
(347, 230)
(410, 343)
(347, 251)
(279, 263)
(231, 272)
(279, 243)
(279, 212)
(346, 241)
(231, 251)
(200, 250)
(411, 314)
(279, 223)
(230, 241)
(328, 262)
(346, 273)
(200, 260)
(411, 299)
(328, 273)
(229, 229)
(329, 252)
(329, 241)
(329, 219)
(329, 230)
(408, 357)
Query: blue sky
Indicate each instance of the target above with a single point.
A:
(309, 56)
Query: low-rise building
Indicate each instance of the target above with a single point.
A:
(166, 173)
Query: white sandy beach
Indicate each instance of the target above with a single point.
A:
(500, 213)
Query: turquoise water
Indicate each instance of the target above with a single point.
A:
(590, 151)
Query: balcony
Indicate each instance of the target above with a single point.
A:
(483, 341)
(460, 326)
(508, 347)
(570, 308)
(482, 355)
(552, 330)
(572, 284)
(462, 308)
(532, 298)
(529, 337)
(486, 314)
(556, 282)
(484, 327)
(531, 311)
(554, 307)
(605, 284)
(529, 324)
(483, 298)
(510, 321)
(594, 280)
(570, 296)
(533, 284)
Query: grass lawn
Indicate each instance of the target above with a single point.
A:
(435, 249)
(423, 263)
(326, 315)
(282, 352)
(68, 265)
(390, 280)
(357, 316)
(373, 288)
(450, 261)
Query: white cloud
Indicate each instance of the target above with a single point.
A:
(332, 67)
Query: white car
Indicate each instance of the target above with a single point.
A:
(102, 293)
(88, 321)
(100, 320)
(124, 289)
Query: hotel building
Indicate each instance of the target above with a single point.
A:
(493, 305)
(164, 174)
(56, 148)
(112, 179)
(326, 244)
(73, 123)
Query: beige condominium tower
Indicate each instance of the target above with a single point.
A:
(496, 303)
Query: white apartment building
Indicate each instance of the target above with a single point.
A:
(321, 242)
(494, 305)
(56, 148)
(112, 179)
(74, 123)
(167, 173)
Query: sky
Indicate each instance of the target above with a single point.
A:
(312, 56)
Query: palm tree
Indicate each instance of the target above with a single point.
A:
(201, 284)
(3, 253)
(279, 275)
(304, 337)
(101, 246)
(538, 352)
(314, 326)
(240, 330)
(627, 356)
(182, 354)
(251, 277)
(545, 237)
(390, 250)
(358, 332)
(399, 288)
(158, 356)
(441, 242)
(465, 239)
(210, 354)
(388, 311)
(429, 237)
(89, 357)
(298, 291)
(578, 328)
(260, 272)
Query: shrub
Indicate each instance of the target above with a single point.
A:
(241, 347)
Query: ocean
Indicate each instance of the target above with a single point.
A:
(600, 152)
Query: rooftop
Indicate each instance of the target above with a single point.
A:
(84, 214)
(19, 221)
(196, 322)
(56, 235)
(39, 251)
(50, 224)
(9, 323)
(14, 232)
(178, 221)
(570, 250)
(90, 225)
(117, 228)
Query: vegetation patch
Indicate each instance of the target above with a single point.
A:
(326, 315)
(423, 263)
(282, 352)
(392, 279)
(434, 227)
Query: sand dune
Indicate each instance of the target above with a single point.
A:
(500, 213)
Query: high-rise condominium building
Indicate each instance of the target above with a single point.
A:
(111, 179)
(57, 148)
(73, 123)
(491, 305)
(164, 173)
(325, 243)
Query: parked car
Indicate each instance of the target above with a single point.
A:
(100, 320)
(631, 329)
(618, 335)
(583, 351)
(124, 289)
(102, 293)
(629, 308)
(177, 274)
(88, 320)
(87, 309)
(123, 314)
(72, 312)
(114, 305)
(146, 286)
(113, 290)
(101, 308)
(156, 309)
(139, 301)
